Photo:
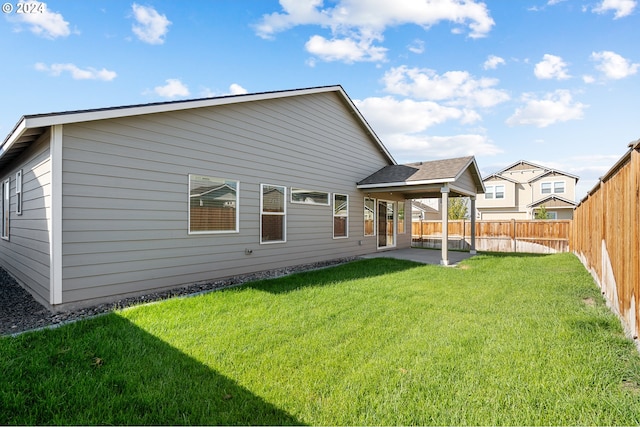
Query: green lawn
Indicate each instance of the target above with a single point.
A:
(500, 340)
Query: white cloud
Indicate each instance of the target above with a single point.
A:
(408, 116)
(614, 66)
(236, 89)
(76, 72)
(412, 148)
(554, 107)
(173, 88)
(401, 124)
(551, 67)
(417, 46)
(347, 50)
(356, 24)
(457, 88)
(150, 27)
(46, 24)
(622, 8)
(492, 62)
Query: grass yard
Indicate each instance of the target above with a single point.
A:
(501, 340)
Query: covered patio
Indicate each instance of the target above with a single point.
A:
(425, 256)
(458, 177)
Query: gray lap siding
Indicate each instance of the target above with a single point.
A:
(125, 192)
(26, 254)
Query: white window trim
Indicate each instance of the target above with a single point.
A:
(333, 223)
(284, 214)
(564, 187)
(6, 208)
(553, 187)
(394, 224)
(489, 194)
(397, 215)
(375, 221)
(311, 202)
(237, 229)
(19, 192)
(492, 190)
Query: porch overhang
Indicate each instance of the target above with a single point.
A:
(434, 179)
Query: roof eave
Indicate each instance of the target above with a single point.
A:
(405, 183)
(52, 119)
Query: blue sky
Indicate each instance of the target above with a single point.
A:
(555, 82)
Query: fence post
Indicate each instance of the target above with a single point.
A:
(513, 235)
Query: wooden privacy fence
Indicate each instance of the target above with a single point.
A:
(536, 236)
(605, 237)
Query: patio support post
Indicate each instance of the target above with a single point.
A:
(473, 225)
(445, 225)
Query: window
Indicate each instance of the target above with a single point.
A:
(546, 187)
(6, 199)
(19, 192)
(273, 214)
(558, 187)
(340, 216)
(369, 216)
(494, 192)
(213, 205)
(489, 193)
(552, 187)
(401, 229)
(309, 197)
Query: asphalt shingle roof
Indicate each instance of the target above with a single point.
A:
(422, 171)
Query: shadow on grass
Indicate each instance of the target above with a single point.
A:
(354, 270)
(109, 371)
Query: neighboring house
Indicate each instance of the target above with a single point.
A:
(426, 210)
(106, 203)
(521, 189)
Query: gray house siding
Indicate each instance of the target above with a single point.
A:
(26, 254)
(125, 192)
(465, 182)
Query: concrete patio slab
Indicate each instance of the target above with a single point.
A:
(425, 256)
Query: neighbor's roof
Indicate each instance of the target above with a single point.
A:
(30, 127)
(532, 166)
(432, 172)
(554, 172)
(540, 202)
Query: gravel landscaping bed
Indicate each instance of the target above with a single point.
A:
(20, 312)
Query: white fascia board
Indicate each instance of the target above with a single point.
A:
(15, 135)
(406, 184)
